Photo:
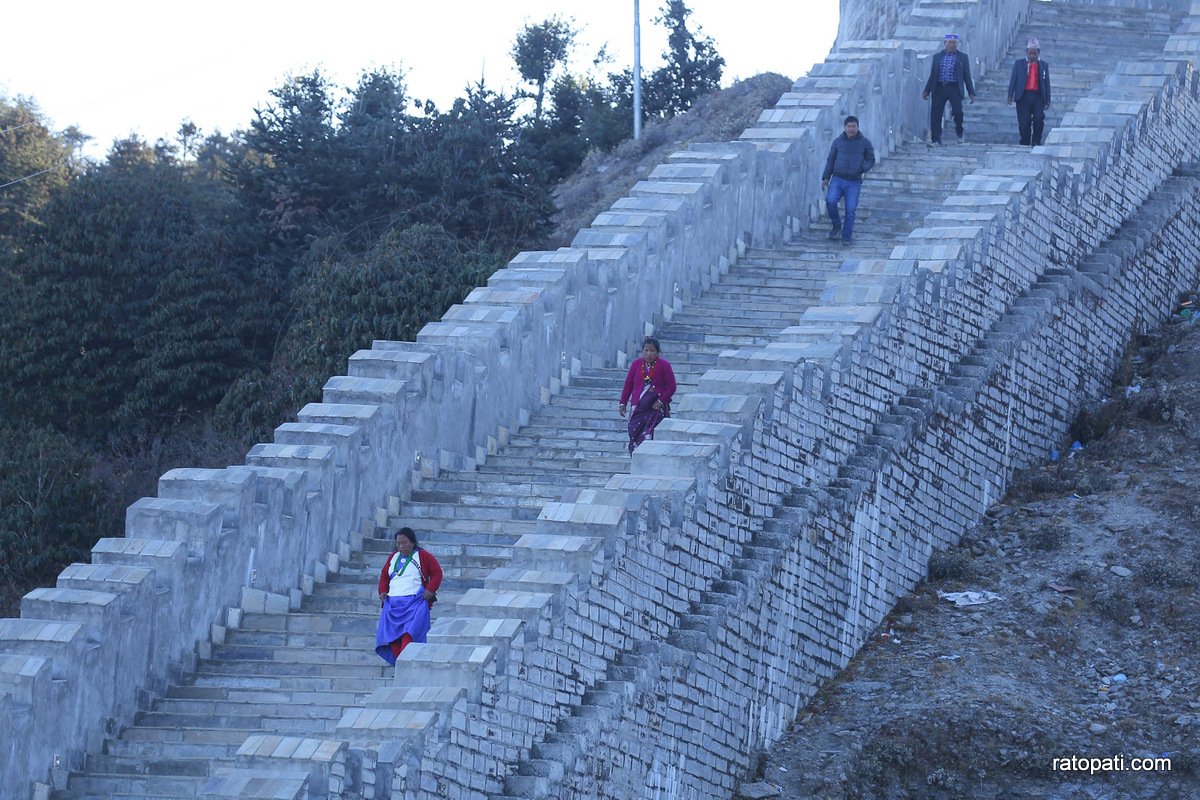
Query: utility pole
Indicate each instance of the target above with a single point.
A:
(637, 72)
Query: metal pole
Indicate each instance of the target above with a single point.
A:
(637, 72)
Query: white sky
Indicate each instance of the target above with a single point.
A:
(133, 66)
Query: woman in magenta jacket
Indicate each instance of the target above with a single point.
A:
(650, 384)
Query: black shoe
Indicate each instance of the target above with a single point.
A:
(836, 233)
(845, 242)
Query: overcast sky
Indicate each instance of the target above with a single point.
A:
(131, 66)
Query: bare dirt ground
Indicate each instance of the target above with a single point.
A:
(1092, 651)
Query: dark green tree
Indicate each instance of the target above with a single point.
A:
(693, 67)
(287, 172)
(608, 118)
(35, 164)
(133, 303)
(51, 509)
(538, 51)
(409, 277)
(371, 144)
(466, 172)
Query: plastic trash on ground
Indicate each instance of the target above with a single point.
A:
(970, 598)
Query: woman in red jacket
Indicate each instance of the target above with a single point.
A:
(651, 385)
(408, 587)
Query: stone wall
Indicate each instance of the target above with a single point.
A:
(765, 533)
(983, 335)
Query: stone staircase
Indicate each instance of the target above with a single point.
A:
(1080, 44)
(296, 675)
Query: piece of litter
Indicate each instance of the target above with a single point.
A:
(1058, 587)
(963, 599)
(949, 658)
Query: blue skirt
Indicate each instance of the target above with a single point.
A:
(401, 615)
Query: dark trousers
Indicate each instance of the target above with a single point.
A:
(943, 93)
(1031, 113)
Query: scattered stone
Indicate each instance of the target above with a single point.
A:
(1097, 728)
(758, 791)
(1123, 572)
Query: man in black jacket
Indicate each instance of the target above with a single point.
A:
(949, 79)
(1029, 87)
(850, 156)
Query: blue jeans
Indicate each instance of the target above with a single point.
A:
(839, 188)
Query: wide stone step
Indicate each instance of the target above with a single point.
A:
(247, 679)
(368, 605)
(482, 491)
(348, 663)
(158, 751)
(300, 639)
(591, 402)
(753, 321)
(754, 325)
(281, 707)
(740, 285)
(224, 694)
(597, 465)
(308, 655)
(601, 434)
(121, 787)
(432, 529)
(581, 476)
(304, 621)
(562, 446)
(460, 511)
(199, 765)
(440, 539)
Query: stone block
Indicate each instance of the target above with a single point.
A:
(557, 551)
(447, 665)
(232, 491)
(386, 393)
(197, 523)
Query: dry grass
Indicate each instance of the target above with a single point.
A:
(603, 178)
